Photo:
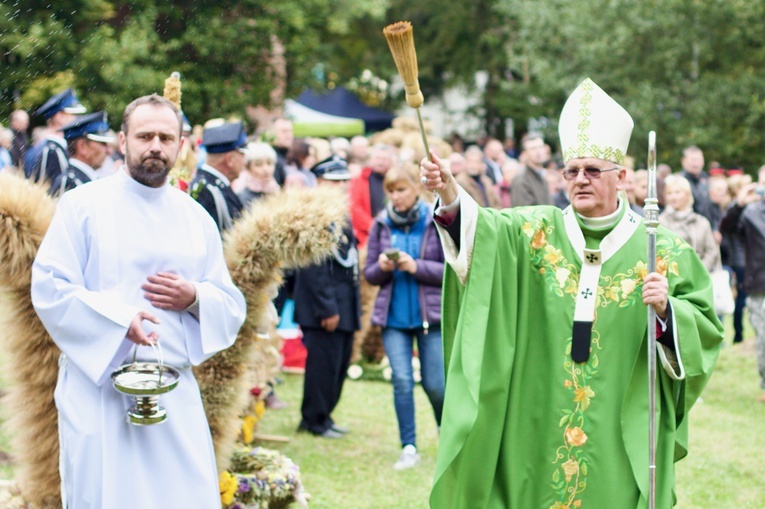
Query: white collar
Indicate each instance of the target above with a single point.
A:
(612, 242)
(56, 138)
(217, 173)
(86, 168)
(600, 223)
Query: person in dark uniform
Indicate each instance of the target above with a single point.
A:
(328, 310)
(211, 186)
(86, 139)
(53, 157)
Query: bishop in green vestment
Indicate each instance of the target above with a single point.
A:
(545, 337)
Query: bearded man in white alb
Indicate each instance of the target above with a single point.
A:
(129, 261)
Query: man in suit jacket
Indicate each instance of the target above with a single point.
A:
(530, 187)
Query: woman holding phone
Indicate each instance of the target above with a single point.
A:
(406, 261)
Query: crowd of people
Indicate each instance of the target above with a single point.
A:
(703, 207)
(719, 213)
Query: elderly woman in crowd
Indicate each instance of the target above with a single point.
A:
(680, 218)
(406, 260)
(257, 179)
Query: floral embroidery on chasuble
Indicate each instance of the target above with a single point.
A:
(586, 456)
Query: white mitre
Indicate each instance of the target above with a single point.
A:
(594, 125)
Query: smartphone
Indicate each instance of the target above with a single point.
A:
(391, 253)
(760, 190)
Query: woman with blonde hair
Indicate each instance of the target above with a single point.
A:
(406, 261)
(257, 180)
(680, 218)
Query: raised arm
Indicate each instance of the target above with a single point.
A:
(456, 214)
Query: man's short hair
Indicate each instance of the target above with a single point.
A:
(691, 149)
(280, 119)
(71, 145)
(473, 149)
(531, 137)
(17, 114)
(154, 100)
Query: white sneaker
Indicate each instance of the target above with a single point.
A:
(408, 459)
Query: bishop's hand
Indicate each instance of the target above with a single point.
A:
(436, 176)
(656, 293)
(170, 291)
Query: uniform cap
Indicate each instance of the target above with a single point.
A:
(332, 168)
(93, 127)
(224, 138)
(65, 101)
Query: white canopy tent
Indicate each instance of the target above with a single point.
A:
(309, 122)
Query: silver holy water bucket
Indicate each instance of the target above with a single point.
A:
(144, 382)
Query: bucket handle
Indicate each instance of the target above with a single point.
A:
(158, 354)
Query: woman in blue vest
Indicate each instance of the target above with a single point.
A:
(406, 260)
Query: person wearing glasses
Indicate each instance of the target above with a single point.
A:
(544, 326)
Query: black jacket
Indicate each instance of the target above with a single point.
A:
(700, 190)
(328, 288)
(53, 160)
(280, 169)
(68, 180)
(19, 147)
(226, 208)
(749, 222)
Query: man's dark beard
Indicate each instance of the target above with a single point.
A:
(150, 171)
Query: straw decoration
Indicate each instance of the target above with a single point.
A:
(173, 89)
(400, 39)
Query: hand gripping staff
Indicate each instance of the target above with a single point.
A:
(651, 214)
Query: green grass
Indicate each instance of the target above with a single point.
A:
(723, 469)
(357, 472)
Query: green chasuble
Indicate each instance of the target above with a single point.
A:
(524, 426)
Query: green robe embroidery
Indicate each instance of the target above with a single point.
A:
(524, 427)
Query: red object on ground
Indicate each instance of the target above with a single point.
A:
(293, 351)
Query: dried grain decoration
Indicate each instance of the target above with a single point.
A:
(32, 368)
(289, 230)
(172, 90)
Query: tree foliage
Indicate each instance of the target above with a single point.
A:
(113, 51)
(690, 69)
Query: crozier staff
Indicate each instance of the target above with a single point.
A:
(129, 260)
(544, 325)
